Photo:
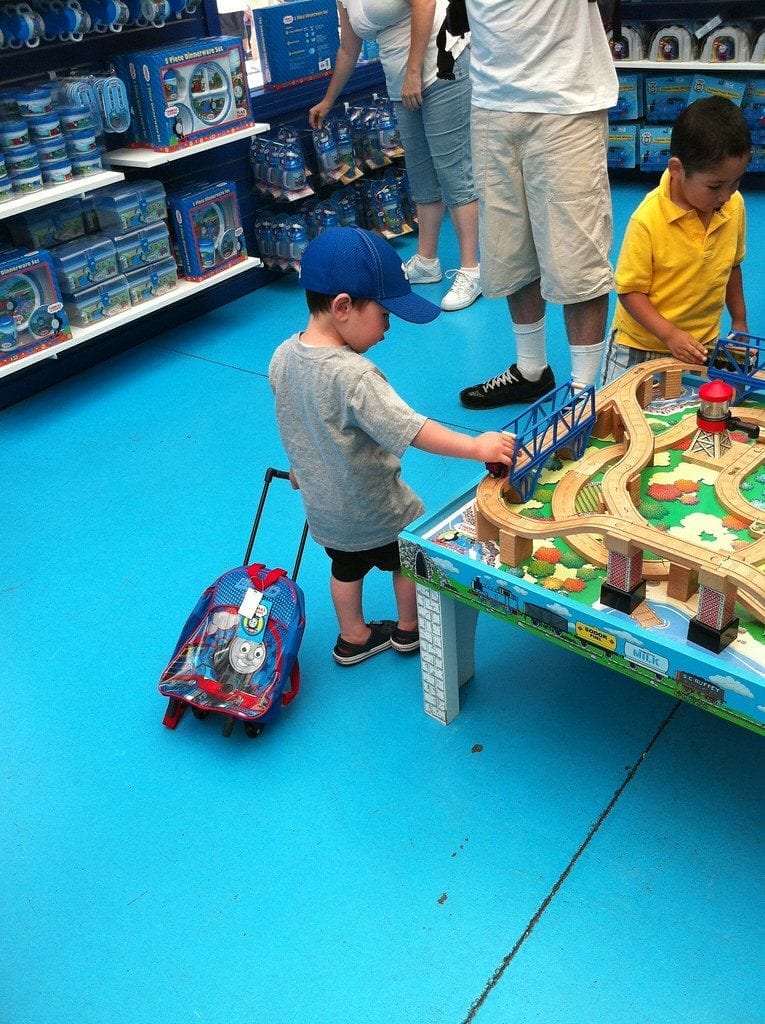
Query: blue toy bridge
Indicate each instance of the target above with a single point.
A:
(736, 359)
(562, 419)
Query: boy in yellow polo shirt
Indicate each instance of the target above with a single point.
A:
(680, 261)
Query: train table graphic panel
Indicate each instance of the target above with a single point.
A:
(645, 553)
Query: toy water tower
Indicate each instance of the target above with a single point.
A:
(712, 437)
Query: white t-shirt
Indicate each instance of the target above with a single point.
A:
(540, 56)
(389, 22)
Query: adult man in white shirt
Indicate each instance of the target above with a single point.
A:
(542, 81)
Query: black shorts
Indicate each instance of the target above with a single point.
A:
(350, 566)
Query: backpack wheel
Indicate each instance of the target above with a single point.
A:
(253, 730)
(200, 712)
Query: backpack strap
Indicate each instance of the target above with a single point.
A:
(289, 695)
(264, 578)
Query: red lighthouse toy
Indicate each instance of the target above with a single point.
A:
(713, 419)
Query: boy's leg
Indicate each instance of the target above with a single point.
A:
(358, 639)
(406, 601)
(346, 597)
(406, 636)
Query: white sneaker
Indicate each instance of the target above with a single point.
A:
(420, 271)
(463, 293)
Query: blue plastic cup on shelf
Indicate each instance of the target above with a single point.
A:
(56, 172)
(86, 163)
(75, 119)
(207, 252)
(9, 108)
(44, 126)
(14, 133)
(6, 189)
(51, 149)
(27, 181)
(81, 143)
(9, 335)
(25, 158)
(34, 102)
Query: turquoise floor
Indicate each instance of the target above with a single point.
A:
(575, 848)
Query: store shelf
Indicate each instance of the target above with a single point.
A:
(703, 67)
(144, 158)
(80, 335)
(55, 193)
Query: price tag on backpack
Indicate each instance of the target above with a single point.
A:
(253, 615)
(249, 606)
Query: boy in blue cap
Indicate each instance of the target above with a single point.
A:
(345, 429)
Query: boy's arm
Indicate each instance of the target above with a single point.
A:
(734, 301)
(492, 446)
(681, 344)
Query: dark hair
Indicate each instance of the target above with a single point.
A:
(707, 132)
(318, 303)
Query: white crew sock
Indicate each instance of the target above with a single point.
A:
(585, 363)
(531, 349)
(429, 261)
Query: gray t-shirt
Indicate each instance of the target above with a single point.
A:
(344, 429)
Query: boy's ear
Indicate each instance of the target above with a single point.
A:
(674, 166)
(341, 305)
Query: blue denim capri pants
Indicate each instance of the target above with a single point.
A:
(436, 140)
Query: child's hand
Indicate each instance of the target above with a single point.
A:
(293, 482)
(684, 347)
(494, 446)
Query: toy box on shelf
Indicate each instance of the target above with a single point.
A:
(208, 228)
(296, 41)
(666, 96)
(48, 226)
(622, 145)
(184, 93)
(128, 206)
(30, 296)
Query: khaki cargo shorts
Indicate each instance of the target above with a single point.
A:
(545, 203)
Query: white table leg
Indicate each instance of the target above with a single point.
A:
(447, 648)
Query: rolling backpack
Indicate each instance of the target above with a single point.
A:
(237, 654)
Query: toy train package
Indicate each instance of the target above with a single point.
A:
(237, 654)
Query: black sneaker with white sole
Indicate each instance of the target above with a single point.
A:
(507, 388)
(405, 641)
(346, 653)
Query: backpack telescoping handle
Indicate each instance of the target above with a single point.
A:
(280, 474)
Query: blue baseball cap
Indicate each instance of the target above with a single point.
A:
(366, 267)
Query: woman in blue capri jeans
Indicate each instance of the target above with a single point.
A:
(434, 121)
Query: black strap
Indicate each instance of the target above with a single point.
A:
(456, 24)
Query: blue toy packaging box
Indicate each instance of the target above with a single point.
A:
(629, 105)
(208, 229)
(753, 105)
(30, 297)
(653, 146)
(622, 145)
(666, 96)
(296, 41)
(181, 94)
(707, 85)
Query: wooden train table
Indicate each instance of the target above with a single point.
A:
(630, 529)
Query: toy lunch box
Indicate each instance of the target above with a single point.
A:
(48, 226)
(148, 282)
(84, 262)
(146, 245)
(125, 207)
(99, 301)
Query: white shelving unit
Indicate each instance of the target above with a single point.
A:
(82, 334)
(146, 158)
(134, 158)
(702, 67)
(55, 193)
